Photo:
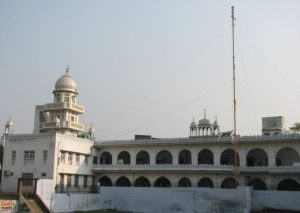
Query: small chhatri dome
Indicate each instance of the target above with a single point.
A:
(66, 83)
(215, 124)
(204, 121)
(91, 129)
(193, 124)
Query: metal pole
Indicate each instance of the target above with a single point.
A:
(234, 97)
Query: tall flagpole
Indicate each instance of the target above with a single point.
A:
(234, 98)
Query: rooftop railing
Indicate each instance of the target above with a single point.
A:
(212, 139)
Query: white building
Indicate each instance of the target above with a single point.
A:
(268, 162)
(60, 150)
(54, 150)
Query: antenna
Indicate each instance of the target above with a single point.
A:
(234, 141)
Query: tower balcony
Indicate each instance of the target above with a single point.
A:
(63, 105)
(46, 126)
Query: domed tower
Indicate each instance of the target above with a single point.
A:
(62, 114)
(204, 126)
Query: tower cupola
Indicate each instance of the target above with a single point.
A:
(65, 83)
(63, 114)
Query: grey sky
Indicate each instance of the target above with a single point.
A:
(119, 51)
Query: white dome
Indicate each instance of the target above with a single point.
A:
(204, 122)
(65, 83)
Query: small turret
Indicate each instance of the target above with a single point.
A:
(91, 133)
(9, 127)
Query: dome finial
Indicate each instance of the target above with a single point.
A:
(204, 113)
(67, 70)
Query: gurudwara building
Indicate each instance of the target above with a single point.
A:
(59, 149)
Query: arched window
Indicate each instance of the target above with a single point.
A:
(105, 181)
(257, 157)
(185, 157)
(229, 183)
(205, 156)
(164, 157)
(206, 183)
(123, 181)
(142, 158)
(184, 182)
(162, 182)
(142, 182)
(288, 185)
(287, 156)
(257, 184)
(105, 158)
(227, 157)
(124, 158)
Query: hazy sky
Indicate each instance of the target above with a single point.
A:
(149, 67)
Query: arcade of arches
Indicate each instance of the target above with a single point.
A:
(254, 157)
(204, 182)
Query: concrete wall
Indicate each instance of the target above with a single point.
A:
(45, 190)
(156, 200)
(187, 200)
(275, 199)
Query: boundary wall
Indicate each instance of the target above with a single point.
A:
(169, 200)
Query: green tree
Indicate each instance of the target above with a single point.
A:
(296, 127)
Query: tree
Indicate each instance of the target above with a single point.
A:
(296, 127)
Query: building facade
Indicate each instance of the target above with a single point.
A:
(60, 150)
(265, 162)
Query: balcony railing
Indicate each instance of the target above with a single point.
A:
(63, 105)
(64, 124)
(200, 167)
(162, 167)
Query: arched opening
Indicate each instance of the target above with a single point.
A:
(257, 157)
(142, 158)
(105, 158)
(164, 157)
(287, 156)
(124, 158)
(206, 183)
(123, 181)
(142, 182)
(227, 157)
(229, 183)
(185, 157)
(288, 185)
(162, 182)
(105, 181)
(184, 182)
(257, 184)
(205, 156)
